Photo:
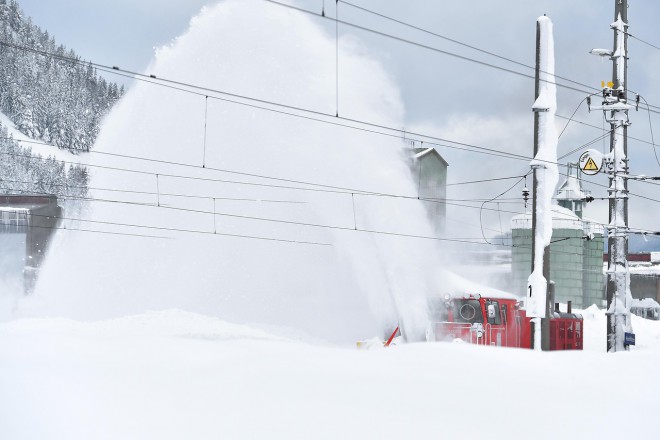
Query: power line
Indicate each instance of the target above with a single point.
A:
(177, 86)
(588, 144)
(601, 128)
(82, 230)
(642, 41)
(483, 180)
(355, 229)
(244, 217)
(655, 153)
(414, 43)
(494, 198)
(158, 228)
(574, 112)
(362, 192)
(460, 43)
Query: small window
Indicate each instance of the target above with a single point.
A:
(493, 318)
(504, 317)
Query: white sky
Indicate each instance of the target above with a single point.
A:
(450, 98)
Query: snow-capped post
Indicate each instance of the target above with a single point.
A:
(546, 177)
(615, 107)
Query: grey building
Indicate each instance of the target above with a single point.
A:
(27, 224)
(429, 169)
(575, 261)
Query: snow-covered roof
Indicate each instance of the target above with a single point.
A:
(13, 209)
(593, 227)
(644, 269)
(562, 218)
(422, 152)
(646, 302)
(495, 294)
(571, 189)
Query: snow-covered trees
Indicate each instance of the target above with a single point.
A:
(26, 173)
(49, 97)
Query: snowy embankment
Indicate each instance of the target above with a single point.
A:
(180, 375)
(38, 147)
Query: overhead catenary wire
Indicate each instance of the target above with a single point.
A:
(71, 229)
(246, 217)
(386, 233)
(152, 76)
(417, 44)
(153, 227)
(179, 86)
(497, 179)
(494, 198)
(458, 42)
(588, 144)
(344, 190)
(655, 153)
(574, 112)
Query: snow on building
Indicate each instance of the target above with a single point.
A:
(647, 308)
(27, 224)
(429, 169)
(571, 195)
(575, 262)
(644, 275)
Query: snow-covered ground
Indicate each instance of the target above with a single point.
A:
(174, 375)
(83, 359)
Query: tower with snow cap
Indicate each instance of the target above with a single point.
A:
(571, 195)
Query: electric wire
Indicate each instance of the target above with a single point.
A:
(246, 217)
(494, 198)
(588, 144)
(460, 43)
(159, 228)
(655, 153)
(151, 78)
(135, 74)
(417, 44)
(574, 112)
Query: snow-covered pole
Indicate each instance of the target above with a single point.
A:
(615, 107)
(546, 176)
(618, 276)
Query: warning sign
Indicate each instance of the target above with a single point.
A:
(591, 161)
(590, 165)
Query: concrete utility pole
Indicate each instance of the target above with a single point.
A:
(544, 112)
(616, 107)
(546, 250)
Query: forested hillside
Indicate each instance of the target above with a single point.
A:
(22, 172)
(49, 98)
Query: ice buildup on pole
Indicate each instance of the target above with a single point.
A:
(545, 163)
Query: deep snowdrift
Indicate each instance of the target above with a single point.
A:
(173, 375)
(360, 286)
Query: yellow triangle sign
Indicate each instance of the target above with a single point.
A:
(590, 165)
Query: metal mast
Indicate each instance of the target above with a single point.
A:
(615, 107)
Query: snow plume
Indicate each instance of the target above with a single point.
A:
(545, 165)
(358, 285)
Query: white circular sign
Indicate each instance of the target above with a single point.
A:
(591, 162)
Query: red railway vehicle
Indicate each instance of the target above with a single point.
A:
(497, 320)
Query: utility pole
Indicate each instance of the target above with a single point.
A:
(615, 107)
(539, 298)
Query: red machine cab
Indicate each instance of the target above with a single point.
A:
(498, 320)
